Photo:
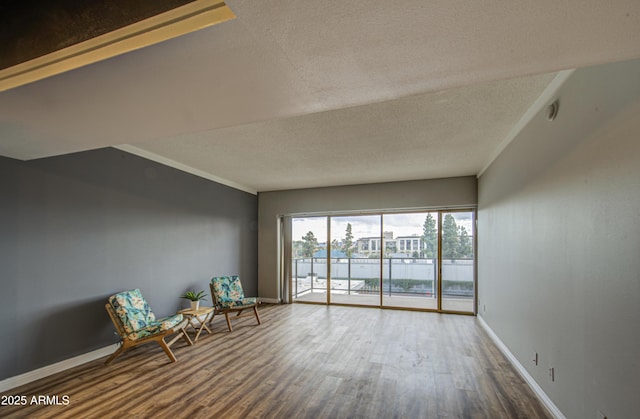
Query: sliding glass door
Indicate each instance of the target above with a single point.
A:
(416, 260)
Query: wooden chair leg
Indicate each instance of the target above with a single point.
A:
(167, 350)
(182, 334)
(185, 336)
(226, 316)
(115, 354)
(255, 310)
(239, 313)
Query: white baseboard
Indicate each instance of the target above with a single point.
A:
(270, 300)
(26, 378)
(546, 401)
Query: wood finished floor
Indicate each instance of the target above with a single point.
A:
(304, 361)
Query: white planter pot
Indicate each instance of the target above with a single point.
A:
(195, 305)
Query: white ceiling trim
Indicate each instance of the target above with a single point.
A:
(547, 96)
(183, 167)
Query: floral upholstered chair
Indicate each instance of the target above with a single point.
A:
(136, 323)
(228, 297)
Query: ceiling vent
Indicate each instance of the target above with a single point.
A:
(552, 110)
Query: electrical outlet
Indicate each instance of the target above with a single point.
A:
(552, 374)
(484, 308)
(535, 358)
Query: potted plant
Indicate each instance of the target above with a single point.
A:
(195, 298)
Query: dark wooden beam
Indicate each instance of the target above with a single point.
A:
(34, 28)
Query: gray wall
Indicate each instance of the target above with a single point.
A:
(559, 245)
(77, 228)
(435, 193)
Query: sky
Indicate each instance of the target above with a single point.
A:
(369, 225)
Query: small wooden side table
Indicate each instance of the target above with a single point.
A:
(194, 319)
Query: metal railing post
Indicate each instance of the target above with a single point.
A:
(389, 277)
(311, 276)
(435, 276)
(349, 277)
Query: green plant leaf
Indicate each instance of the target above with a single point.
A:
(194, 296)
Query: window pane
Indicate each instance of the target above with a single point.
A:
(410, 272)
(309, 259)
(355, 260)
(458, 267)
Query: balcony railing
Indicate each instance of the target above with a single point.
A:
(400, 276)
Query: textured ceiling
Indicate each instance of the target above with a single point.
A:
(449, 133)
(299, 94)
